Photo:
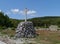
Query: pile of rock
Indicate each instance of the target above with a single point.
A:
(25, 29)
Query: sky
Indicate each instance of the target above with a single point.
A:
(36, 8)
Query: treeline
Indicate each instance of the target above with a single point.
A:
(6, 22)
(46, 21)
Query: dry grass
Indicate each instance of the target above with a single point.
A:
(44, 36)
(48, 37)
(10, 33)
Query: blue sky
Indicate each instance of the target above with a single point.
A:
(40, 7)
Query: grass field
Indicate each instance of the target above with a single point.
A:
(43, 37)
(10, 33)
(48, 37)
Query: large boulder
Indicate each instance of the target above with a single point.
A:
(25, 29)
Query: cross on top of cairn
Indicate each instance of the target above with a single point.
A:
(25, 12)
(25, 29)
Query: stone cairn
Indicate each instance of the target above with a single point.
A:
(25, 30)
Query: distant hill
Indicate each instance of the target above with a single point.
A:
(46, 21)
(41, 21)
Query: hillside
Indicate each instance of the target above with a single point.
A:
(46, 21)
(5, 21)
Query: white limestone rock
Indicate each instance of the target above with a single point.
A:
(25, 29)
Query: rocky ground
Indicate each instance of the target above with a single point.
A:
(43, 37)
(2, 42)
(7, 40)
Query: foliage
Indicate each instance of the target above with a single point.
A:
(5, 21)
(45, 21)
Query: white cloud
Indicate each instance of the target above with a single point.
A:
(31, 12)
(15, 11)
(0, 10)
(21, 12)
